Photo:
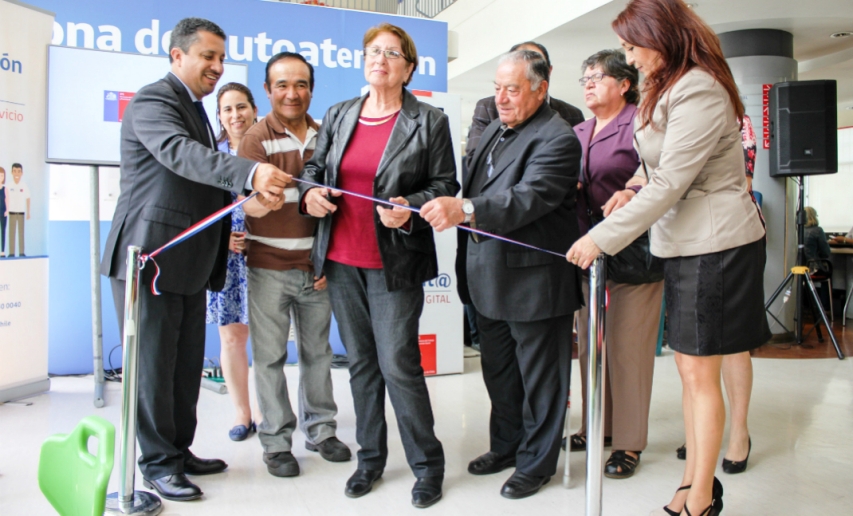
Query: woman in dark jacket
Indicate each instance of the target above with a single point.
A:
(387, 145)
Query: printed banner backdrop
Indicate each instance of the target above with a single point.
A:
(331, 39)
(24, 36)
(441, 326)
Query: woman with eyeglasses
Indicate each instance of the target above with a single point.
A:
(704, 222)
(389, 145)
(633, 314)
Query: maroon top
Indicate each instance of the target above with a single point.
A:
(608, 162)
(353, 239)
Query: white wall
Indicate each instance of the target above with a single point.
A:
(487, 28)
(832, 195)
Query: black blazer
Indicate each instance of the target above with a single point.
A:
(486, 111)
(171, 178)
(530, 197)
(417, 164)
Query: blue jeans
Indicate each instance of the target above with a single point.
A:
(380, 332)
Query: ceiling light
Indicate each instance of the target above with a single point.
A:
(842, 34)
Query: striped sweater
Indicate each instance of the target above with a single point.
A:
(282, 239)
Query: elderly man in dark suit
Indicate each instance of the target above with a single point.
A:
(485, 111)
(172, 177)
(522, 185)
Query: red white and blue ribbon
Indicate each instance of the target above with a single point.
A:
(215, 217)
(187, 234)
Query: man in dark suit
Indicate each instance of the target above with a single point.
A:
(172, 177)
(485, 111)
(522, 185)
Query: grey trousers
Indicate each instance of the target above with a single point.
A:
(275, 296)
(380, 332)
(631, 329)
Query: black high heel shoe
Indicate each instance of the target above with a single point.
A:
(737, 466)
(710, 511)
(666, 511)
(716, 506)
(717, 493)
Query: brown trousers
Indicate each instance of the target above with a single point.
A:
(16, 230)
(631, 332)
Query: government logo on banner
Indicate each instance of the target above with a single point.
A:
(115, 102)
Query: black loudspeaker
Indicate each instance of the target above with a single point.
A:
(803, 128)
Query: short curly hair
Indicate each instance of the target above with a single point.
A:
(613, 63)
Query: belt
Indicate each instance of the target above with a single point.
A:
(17, 213)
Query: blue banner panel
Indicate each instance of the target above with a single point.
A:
(331, 39)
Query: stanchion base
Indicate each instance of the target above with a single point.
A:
(143, 503)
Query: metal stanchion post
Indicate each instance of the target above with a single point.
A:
(95, 253)
(127, 500)
(567, 473)
(595, 392)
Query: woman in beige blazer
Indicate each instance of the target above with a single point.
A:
(703, 221)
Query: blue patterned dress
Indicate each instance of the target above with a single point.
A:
(231, 305)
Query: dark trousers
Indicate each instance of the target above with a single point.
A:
(2, 232)
(527, 368)
(380, 332)
(171, 358)
(471, 316)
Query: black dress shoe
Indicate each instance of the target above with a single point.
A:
(361, 482)
(281, 464)
(332, 449)
(196, 466)
(427, 491)
(521, 485)
(175, 487)
(490, 462)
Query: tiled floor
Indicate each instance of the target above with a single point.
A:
(801, 421)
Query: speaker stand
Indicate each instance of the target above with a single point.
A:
(800, 275)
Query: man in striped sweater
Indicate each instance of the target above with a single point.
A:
(282, 283)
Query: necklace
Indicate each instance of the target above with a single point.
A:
(376, 121)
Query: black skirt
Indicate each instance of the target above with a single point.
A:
(715, 301)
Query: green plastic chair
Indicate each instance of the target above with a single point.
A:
(73, 480)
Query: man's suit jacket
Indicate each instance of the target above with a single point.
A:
(171, 178)
(486, 111)
(530, 197)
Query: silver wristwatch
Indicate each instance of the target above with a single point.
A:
(467, 209)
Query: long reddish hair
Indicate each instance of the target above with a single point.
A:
(684, 41)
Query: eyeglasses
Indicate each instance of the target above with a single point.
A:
(595, 78)
(389, 54)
